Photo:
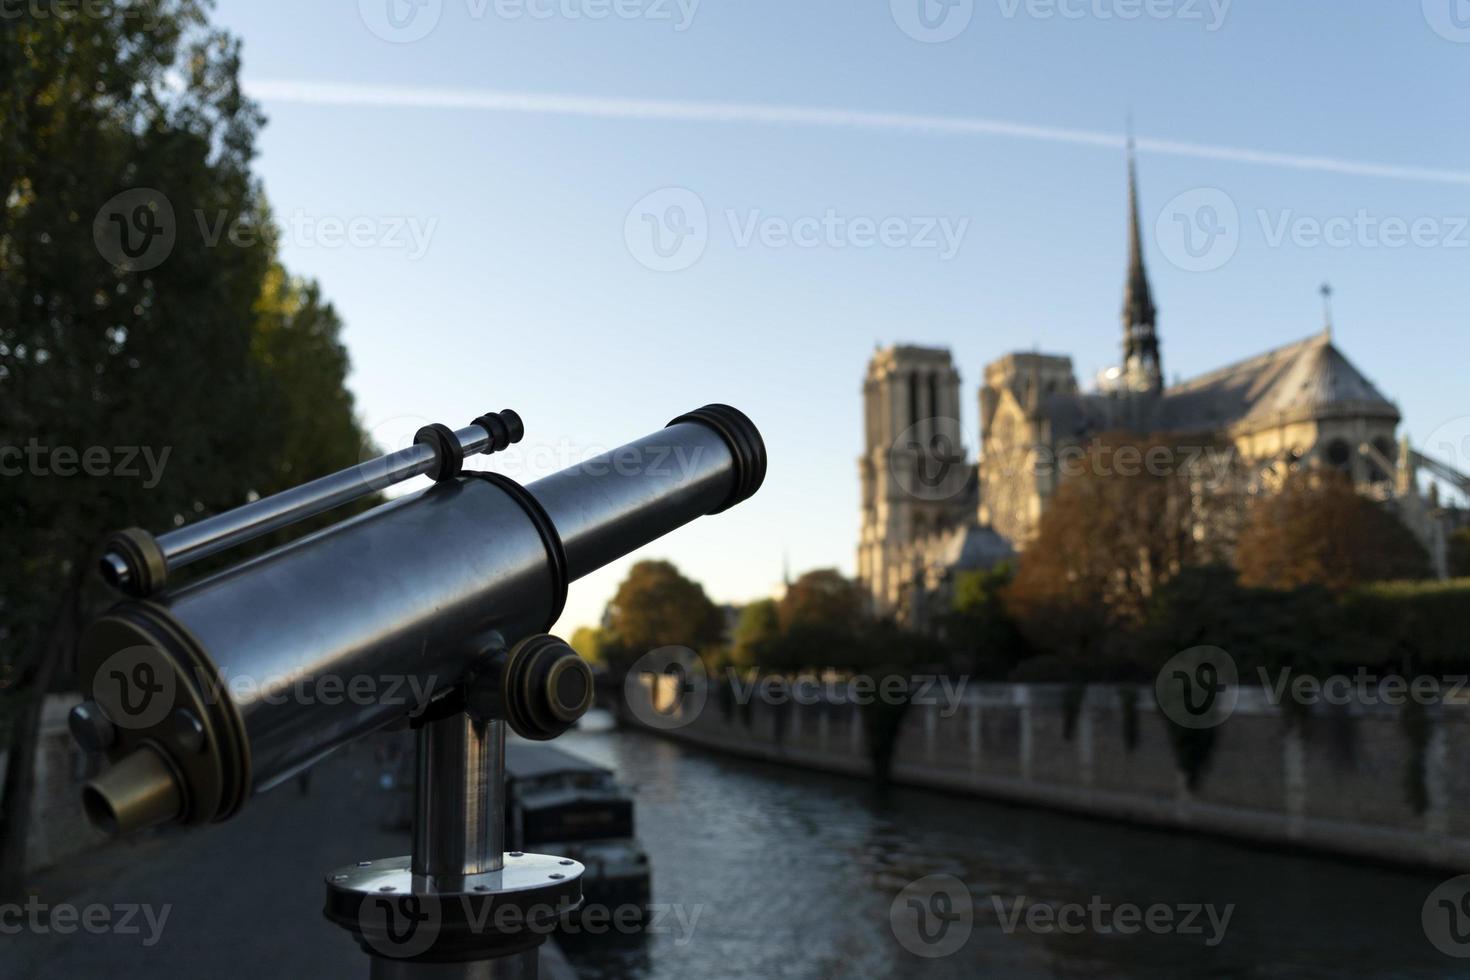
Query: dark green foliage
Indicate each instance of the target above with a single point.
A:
(214, 360)
(1459, 556)
(981, 628)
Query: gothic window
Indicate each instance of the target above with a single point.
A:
(1339, 453)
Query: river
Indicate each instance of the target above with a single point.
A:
(774, 872)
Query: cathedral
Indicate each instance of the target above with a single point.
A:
(929, 512)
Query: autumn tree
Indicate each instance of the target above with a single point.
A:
(656, 606)
(821, 619)
(1318, 530)
(824, 598)
(1128, 515)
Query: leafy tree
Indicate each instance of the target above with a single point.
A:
(588, 642)
(1460, 553)
(981, 624)
(757, 632)
(119, 131)
(1117, 529)
(656, 606)
(1318, 530)
(822, 598)
(821, 618)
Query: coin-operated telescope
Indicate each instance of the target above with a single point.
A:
(433, 608)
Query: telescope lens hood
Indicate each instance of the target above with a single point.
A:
(746, 446)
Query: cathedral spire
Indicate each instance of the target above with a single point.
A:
(1141, 361)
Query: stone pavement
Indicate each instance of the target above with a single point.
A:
(238, 899)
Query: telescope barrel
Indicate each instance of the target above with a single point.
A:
(257, 671)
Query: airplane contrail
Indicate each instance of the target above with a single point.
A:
(604, 107)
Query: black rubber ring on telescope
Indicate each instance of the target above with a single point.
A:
(503, 428)
(746, 446)
(448, 453)
(147, 566)
(556, 552)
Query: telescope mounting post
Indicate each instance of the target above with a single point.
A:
(460, 907)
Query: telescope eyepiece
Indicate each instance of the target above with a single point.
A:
(546, 687)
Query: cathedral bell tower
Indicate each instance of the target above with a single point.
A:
(914, 469)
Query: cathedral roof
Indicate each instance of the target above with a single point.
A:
(974, 546)
(1306, 379)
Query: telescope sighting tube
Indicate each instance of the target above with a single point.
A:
(234, 683)
(138, 563)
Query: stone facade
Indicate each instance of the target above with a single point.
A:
(928, 513)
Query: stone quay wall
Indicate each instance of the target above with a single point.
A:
(1337, 779)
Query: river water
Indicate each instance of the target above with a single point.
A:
(782, 873)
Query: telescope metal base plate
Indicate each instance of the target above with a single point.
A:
(399, 915)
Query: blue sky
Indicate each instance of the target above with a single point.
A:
(501, 227)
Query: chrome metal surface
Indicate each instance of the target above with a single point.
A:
(332, 636)
(90, 727)
(459, 812)
(215, 534)
(619, 501)
(115, 570)
(524, 876)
